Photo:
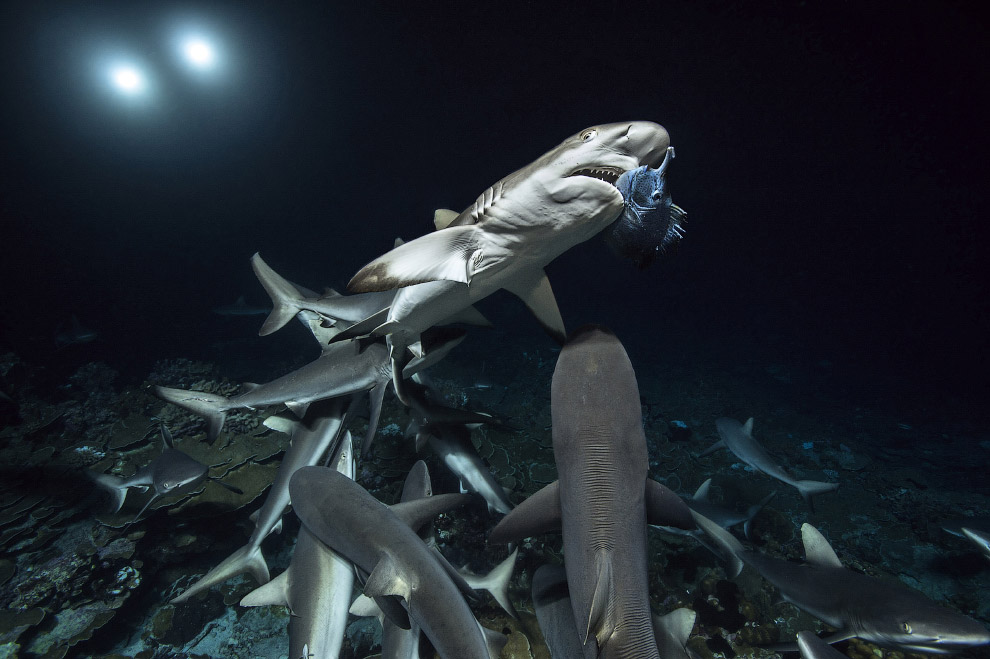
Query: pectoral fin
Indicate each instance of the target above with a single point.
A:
(538, 514)
(386, 579)
(534, 290)
(452, 253)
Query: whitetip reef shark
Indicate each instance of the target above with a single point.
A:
(552, 602)
(513, 230)
(316, 586)
(886, 613)
(738, 438)
(603, 499)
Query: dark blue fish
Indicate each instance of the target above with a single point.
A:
(650, 220)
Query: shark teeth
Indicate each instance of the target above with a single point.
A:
(610, 176)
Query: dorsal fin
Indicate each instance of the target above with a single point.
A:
(817, 551)
(167, 436)
(702, 492)
(442, 217)
(748, 426)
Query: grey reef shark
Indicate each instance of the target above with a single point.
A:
(316, 587)
(513, 230)
(447, 431)
(382, 542)
(725, 517)
(344, 369)
(399, 643)
(738, 438)
(882, 612)
(603, 499)
(172, 472)
(309, 440)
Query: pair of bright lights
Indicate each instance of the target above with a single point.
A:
(130, 80)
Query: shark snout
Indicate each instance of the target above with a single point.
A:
(648, 141)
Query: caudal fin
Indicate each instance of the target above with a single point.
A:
(285, 297)
(809, 489)
(496, 583)
(246, 559)
(209, 406)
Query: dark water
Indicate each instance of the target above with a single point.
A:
(830, 284)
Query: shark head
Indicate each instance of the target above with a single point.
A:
(601, 153)
(927, 628)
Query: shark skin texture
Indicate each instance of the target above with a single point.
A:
(603, 499)
(882, 612)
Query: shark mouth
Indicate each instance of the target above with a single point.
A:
(608, 174)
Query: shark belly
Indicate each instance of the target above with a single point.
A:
(603, 522)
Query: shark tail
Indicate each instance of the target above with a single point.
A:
(246, 559)
(113, 485)
(285, 297)
(809, 489)
(496, 583)
(207, 405)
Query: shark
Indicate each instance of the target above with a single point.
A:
(381, 541)
(309, 441)
(722, 516)
(447, 432)
(603, 499)
(172, 472)
(399, 643)
(288, 299)
(504, 240)
(886, 613)
(316, 587)
(344, 369)
(738, 438)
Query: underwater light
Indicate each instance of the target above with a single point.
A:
(199, 53)
(128, 79)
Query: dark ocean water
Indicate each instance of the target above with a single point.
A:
(831, 161)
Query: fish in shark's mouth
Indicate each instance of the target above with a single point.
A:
(650, 221)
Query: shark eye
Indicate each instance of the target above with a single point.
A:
(907, 627)
(589, 134)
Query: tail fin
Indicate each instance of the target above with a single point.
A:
(285, 297)
(207, 405)
(113, 485)
(496, 582)
(809, 489)
(246, 559)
